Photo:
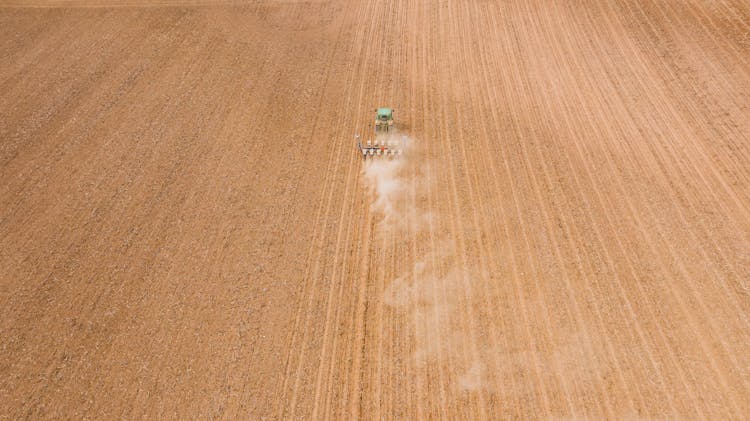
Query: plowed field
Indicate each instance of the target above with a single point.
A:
(187, 229)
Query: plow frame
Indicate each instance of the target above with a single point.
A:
(378, 148)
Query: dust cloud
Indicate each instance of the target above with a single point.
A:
(436, 293)
(436, 289)
(385, 178)
(391, 180)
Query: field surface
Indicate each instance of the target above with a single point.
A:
(187, 229)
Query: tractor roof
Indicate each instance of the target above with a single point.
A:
(385, 112)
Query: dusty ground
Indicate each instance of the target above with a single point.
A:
(186, 229)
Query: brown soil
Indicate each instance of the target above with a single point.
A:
(186, 229)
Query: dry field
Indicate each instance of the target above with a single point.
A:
(187, 230)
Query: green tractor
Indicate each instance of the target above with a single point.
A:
(383, 120)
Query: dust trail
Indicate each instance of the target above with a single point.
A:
(385, 178)
(398, 188)
(389, 180)
(435, 293)
(472, 379)
(436, 290)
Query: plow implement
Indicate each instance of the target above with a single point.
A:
(379, 148)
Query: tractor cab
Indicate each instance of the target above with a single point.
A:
(383, 119)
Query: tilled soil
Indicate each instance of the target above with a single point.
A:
(187, 229)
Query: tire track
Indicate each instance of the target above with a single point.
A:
(625, 195)
(488, 162)
(479, 204)
(188, 232)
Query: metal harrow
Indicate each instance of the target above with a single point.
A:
(377, 148)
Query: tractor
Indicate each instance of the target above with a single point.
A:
(383, 120)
